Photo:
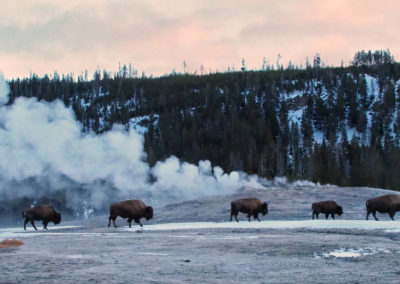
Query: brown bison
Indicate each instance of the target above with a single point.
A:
(131, 209)
(326, 207)
(383, 204)
(249, 206)
(45, 213)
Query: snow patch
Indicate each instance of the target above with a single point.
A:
(373, 88)
(293, 95)
(306, 224)
(139, 123)
(351, 252)
(295, 115)
(30, 232)
(80, 256)
(216, 237)
(318, 136)
(152, 253)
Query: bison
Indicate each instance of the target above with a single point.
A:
(249, 206)
(326, 207)
(131, 209)
(46, 213)
(383, 204)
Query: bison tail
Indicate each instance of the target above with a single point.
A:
(23, 214)
(312, 207)
(367, 204)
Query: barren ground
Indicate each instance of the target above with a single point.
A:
(192, 242)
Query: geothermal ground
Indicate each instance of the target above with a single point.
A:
(192, 242)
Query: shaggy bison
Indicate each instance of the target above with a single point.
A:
(249, 206)
(131, 209)
(46, 213)
(326, 207)
(383, 204)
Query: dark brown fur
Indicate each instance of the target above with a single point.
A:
(383, 204)
(44, 213)
(326, 207)
(131, 209)
(249, 206)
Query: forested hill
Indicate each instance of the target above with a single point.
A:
(331, 125)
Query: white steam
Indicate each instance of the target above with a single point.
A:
(187, 181)
(4, 90)
(44, 151)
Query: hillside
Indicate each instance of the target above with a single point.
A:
(330, 125)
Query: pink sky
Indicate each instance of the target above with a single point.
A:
(157, 36)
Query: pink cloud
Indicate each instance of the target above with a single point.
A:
(156, 37)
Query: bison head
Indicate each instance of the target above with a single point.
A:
(148, 213)
(57, 218)
(340, 210)
(264, 208)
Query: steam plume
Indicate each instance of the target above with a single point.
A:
(44, 153)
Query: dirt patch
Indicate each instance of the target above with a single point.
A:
(10, 243)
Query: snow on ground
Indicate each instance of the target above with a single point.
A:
(293, 95)
(193, 242)
(137, 122)
(351, 252)
(30, 232)
(318, 136)
(296, 115)
(373, 88)
(388, 226)
(384, 226)
(374, 94)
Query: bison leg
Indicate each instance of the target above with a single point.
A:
(391, 214)
(25, 222)
(374, 214)
(137, 221)
(113, 219)
(368, 212)
(313, 215)
(256, 217)
(45, 224)
(130, 222)
(249, 216)
(333, 216)
(234, 214)
(33, 224)
(326, 216)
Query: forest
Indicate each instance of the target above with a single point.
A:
(335, 125)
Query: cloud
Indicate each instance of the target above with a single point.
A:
(156, 36)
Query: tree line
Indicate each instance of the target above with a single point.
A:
(292, 122)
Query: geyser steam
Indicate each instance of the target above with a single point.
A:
(43, 152)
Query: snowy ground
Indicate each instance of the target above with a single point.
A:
(192, 242)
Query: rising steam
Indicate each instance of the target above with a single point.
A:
(45, 154)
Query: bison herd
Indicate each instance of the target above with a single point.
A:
(136, 209)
